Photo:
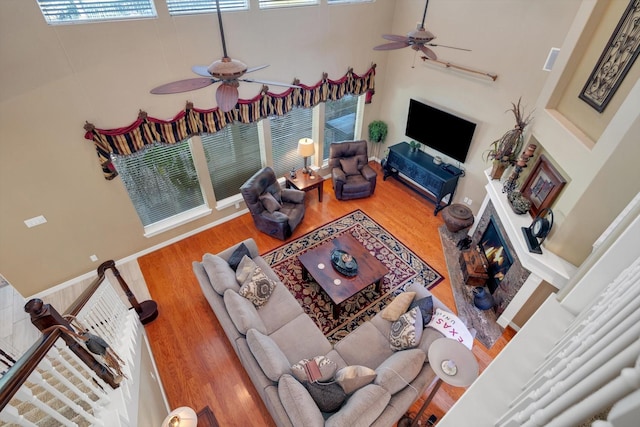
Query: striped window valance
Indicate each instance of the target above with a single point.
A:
(192, 121)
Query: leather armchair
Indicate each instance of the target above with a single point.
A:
(275, 211)
(352, 177)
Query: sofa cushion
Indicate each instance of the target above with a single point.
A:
(245, 269)
(280, 309)
(398, 306)
(366, 336)
(327, 367)
(362, 408)
(237, 255)
(426, 308)
(221, 276)
(271, 359)
(399, 370)
(243, 313)
(429, 335)
(301, 339)
(328, 396)
(257, 288)
(269, 202)
(297, 401)
(407, 330)
(354, 377)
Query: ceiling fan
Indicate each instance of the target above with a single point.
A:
(417, 39)
(226, 70)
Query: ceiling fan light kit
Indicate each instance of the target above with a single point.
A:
(226, 70)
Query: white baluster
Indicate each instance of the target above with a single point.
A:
(102, 397)
(24, 394)
(10, 414)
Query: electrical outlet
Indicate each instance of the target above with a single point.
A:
(93, 258)
(32, 222)
(468, 201)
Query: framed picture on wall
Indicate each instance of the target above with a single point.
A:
(542, 185)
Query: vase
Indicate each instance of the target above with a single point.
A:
(482, 299)
(498, 169)
(457, 217)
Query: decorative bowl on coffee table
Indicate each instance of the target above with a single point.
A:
(344, 263)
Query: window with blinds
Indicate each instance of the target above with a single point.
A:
(267, 4)
(285, 132)
(161, 181)
(339, 121)
(349, 1)
(73, 11)
(233, 156)
(189, 7)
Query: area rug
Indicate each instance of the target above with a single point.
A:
(483, 321)
(404, 267)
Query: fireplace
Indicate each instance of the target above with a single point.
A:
(499, 259)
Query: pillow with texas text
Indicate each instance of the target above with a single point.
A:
(451, 326)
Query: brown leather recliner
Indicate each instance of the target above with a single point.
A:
(275, 211)
(352, 177)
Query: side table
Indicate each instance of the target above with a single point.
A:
(305, 182)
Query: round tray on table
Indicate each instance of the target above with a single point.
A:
(344, 263)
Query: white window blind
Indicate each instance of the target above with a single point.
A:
(339, 121)
(70, 11)
(233, 156)
(186, 7)
(161, 181)
(285, 132)
(266, 4)
(349, 1)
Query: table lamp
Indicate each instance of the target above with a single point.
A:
(181, 417)
(454, 364)
(306, 150)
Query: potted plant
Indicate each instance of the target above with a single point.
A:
(377, 133)
(414, 146)
(504, 151)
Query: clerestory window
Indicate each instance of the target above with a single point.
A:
(286, 131)
(189, 7)
(339, 121)
(267, 4)
(78, 11)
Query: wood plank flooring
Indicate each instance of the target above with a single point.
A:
(197, 364)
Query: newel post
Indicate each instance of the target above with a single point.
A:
(147, 310)
(46, 318)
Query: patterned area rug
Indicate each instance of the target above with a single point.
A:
(404, 268)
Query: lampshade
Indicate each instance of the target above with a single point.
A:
(305, 147)
(453, 362)
(181, 417)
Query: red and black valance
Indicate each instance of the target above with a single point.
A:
(193, 121)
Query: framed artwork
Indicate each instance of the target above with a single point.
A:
(543, 185)
(617, 58)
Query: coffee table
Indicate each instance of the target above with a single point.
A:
(316, 264)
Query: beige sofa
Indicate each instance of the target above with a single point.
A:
(270, 339)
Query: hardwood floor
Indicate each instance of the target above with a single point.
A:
(196, 362)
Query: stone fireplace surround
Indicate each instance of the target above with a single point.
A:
(529, 270)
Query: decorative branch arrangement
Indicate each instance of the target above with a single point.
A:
(492, 76)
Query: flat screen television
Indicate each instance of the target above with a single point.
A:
(444, 132)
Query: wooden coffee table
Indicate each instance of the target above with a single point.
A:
(305, 182)
(316, 264)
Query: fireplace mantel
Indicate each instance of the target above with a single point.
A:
(547, 267)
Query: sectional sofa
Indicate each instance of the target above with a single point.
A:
(271, 338)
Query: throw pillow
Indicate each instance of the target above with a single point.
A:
(426, 308)
(271, 359)
(220, 275)
(245, 269)
(243, 313)
(350, 166)
(406, 331)
(400, 369)
(353, 377)
(327, 369)
(451, 326)
(298, 403)
(257, 288)
(237, 255)
(269, 202)
(328, 396)
(398, 306)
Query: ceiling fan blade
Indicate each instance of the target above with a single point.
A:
(227, 96)
(259, 67)
(183, 86)
(269, 83)
(394, 38)
(449, 47)
(427, 52)
(391, 46)
(201, 70)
